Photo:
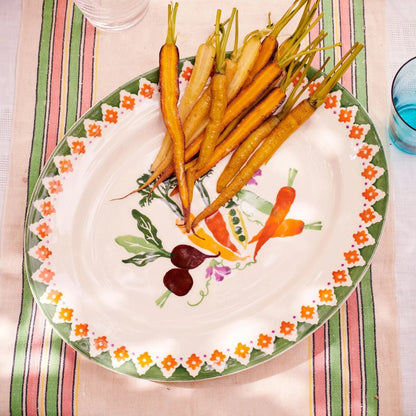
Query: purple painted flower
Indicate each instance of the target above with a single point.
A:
(208, 272)
(221, 272)
(252, 181)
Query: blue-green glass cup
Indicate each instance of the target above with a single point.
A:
(402, 126)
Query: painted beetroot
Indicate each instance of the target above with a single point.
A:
(188, 257)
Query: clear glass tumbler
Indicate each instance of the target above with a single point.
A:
(112, 15)
(402, 127)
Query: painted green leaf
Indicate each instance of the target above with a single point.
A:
(135, 244)
(142, 259)
(147, 228)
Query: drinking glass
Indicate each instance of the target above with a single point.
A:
(112, 15)
(402, 126)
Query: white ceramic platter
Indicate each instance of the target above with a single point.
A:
(96, 266)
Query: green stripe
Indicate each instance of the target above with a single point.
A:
(334, 326)
(16, 388)
(360, 62)
(53, 375)
(329, 28)
(370, 360)
(41, 94)
(74, 68)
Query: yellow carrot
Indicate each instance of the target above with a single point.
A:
(287, 126)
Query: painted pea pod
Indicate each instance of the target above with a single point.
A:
(238, 228)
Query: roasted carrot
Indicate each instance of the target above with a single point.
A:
(218, 92)
(169, 95)
(204, 61)
(287, 126)
(269, 44)
(244, 150)
(281, 207)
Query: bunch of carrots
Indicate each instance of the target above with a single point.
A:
(242, 109)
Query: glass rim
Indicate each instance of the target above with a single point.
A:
(391, 92)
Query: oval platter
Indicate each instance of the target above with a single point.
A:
(96, 264)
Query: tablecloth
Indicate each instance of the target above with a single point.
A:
(349, 366)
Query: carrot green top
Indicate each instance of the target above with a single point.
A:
(170, 38)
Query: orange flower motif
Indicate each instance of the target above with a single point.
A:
(286, 328)
(369, 172)
(100, 343)
(297, 78)
(46, 275)
(186, 74)
(331, 101)
(54, 296)
(264, 340)
(339, 276)
(128, 102)
(47, 208)
(81, 330)
(370, 194)
(367, 215)
(43, 230)
(111, 116)
(147, 91)
(144, 359)
(365, 152)
(193, 362)
(55, 186)
(94, 130)
(242, 350)
(352, 256)
(169, 363)
(121, 353)
(43, 253)
(217, 357)
(326, 295)
(307, 312)
(356, 132)
(65, 166)
(345, 115)
(78, 147)
(361, 237)
(66, 314)
(313, 86)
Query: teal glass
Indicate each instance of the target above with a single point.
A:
(402, 126)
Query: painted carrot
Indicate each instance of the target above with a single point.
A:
(281, 207)
(291, 121)
(203, 240)
(169, 96)
(218, 227)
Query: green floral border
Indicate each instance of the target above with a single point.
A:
(232, 365)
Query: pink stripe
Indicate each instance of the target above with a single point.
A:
(354, 354)
(345, 22)
(56, 73)
(319, 372)
(88, 68)
(35, 355)
(68, 381)
(312, 35)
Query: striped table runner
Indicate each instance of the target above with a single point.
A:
(342, 369)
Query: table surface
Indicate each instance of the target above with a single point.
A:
(401, 32)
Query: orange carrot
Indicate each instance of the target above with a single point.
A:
(287, 126)
(169, 95)
(291, 227)
(216, 224)
(281, 207)
(269, 44)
